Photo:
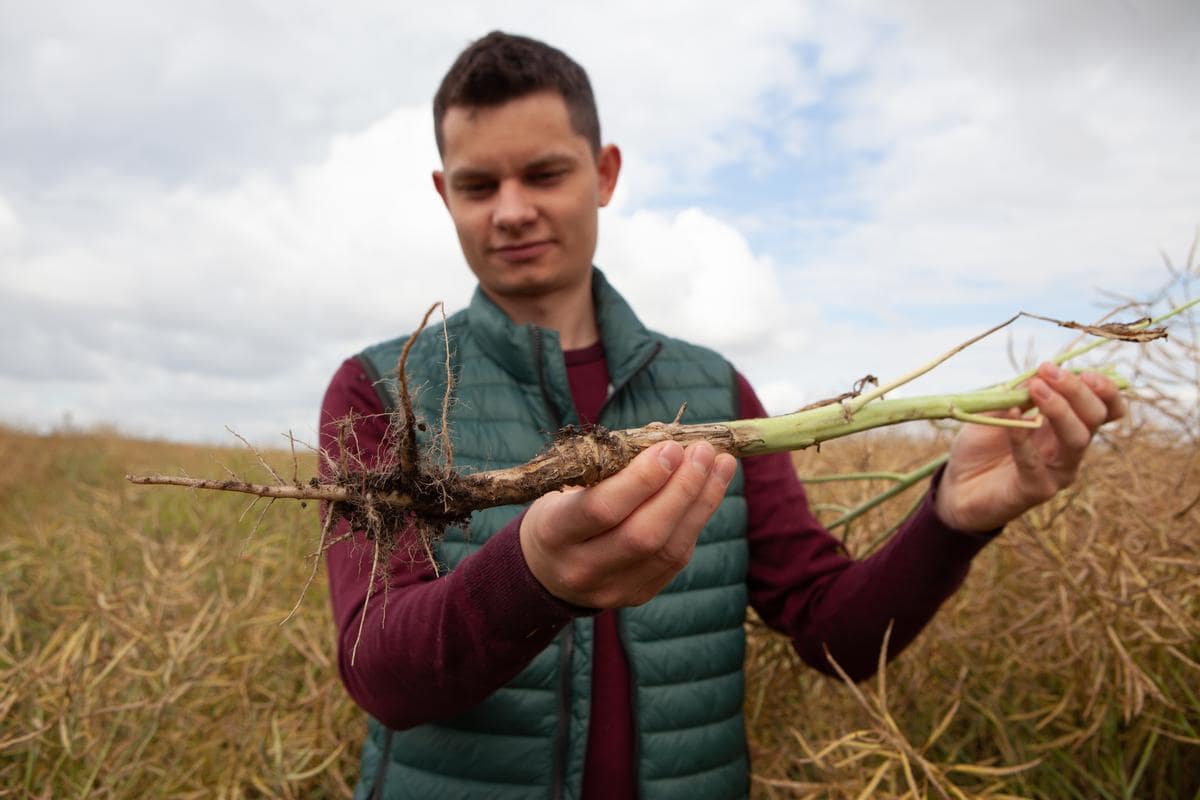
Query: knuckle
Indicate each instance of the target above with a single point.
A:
(712, 497)
(640, 544)
(702, 508)
(675, 556)
(1052, 403)
(598, 511)
(1070, 383)
(578, 579)
(692, 478)
(687, 484)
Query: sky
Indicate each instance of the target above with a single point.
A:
(206, 207)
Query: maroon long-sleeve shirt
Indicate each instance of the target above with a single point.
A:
(432, 647)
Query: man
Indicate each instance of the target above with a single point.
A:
(591, 645)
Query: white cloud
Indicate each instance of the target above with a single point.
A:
(200, 214)
(269, 282)
(1027, 147)
(186, 91)
(190, 301)
(10, 229)
(697, 278)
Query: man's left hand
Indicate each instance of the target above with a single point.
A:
(995, 474)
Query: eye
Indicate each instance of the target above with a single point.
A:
(476, 187)
(544, 177)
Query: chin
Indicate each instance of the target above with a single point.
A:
(531, 279)
(528, 280)
(527, 289)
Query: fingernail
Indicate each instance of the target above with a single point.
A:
(702, 456)
(670, 456)
(1053, 372)
(1039, 390)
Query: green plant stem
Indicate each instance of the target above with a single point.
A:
(885, 534)
(1087, 348)
(813, 426)
(904, 482)
(854, 476)
(961, 408)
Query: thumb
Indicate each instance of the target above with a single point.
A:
(584, 514)
(1021, 444)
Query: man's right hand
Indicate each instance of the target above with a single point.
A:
(618, 543)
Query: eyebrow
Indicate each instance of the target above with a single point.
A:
(543, 162)
(553, 160)
(469, 174)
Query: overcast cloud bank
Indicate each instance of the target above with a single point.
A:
(200, 216)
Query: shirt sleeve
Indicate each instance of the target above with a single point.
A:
(804, 584)
(424, 647)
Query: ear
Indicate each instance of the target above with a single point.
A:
(608, 165)
(439, 183)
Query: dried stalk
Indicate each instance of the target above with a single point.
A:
(433, 496)
(585, 458)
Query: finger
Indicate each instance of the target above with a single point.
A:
(1090, 408)
(676, 552)
(1071, 432)
(1108, 393)
(681, 542)
(607, 504)
(628, 564)
(661, 515)
(1020, 442)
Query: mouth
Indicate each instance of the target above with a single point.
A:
(522, 251)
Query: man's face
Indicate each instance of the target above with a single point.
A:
(524, 190)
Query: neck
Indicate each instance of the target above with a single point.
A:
(569, 311)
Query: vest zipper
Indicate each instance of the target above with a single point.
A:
(624, 383)
(567, 646)
(563, 735)
(568, 635)
(622, 637)
(622, 632)
(377, 382)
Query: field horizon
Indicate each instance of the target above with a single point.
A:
(141, 652)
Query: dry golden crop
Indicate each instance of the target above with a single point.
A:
(140, 648)
(141, 653)
(1067, 665)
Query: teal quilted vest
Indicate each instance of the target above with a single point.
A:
(685, 647)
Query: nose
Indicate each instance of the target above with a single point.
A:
(514, 209)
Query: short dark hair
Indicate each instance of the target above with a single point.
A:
(502, 67)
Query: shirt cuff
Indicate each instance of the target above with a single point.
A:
(502, 575)
(927, 518)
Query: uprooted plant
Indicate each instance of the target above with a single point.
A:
(411, 490)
